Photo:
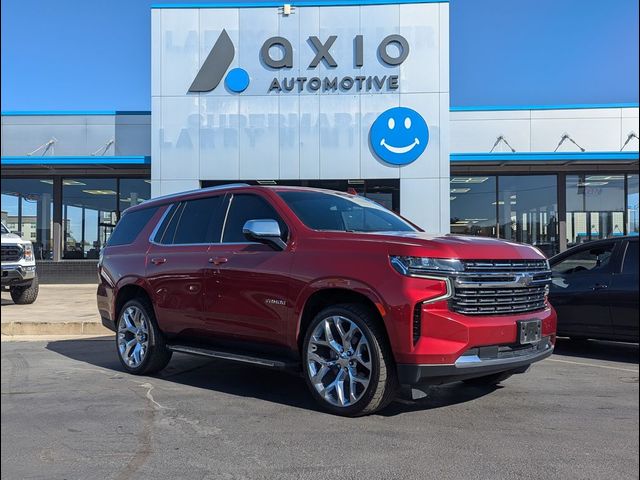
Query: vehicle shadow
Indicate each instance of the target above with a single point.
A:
(251, 381)
(598, 350)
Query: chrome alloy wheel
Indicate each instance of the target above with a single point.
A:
(339, 361)
(133, 336)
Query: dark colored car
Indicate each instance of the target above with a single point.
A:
(595, 290)
(330, 285)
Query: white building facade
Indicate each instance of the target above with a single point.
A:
(292, 94)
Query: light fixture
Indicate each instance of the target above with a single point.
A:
(99, 192)
(64, 182)
(451, 199)
(460, 190)
(469, 179)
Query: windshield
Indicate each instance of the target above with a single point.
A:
(343, 212)
(4, 229)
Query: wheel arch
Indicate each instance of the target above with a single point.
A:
(128, 291)
(324, 296)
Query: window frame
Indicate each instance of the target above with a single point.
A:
(177, 208)
(612, 267)
(227, 204)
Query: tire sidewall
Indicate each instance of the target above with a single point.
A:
(153, 336)
(375, 355)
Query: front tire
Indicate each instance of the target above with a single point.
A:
(347, 362)
(25, 295)
(139, 342)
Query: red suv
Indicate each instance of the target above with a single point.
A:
(352, 296)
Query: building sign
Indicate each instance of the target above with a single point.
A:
(399, 136)
(277, 53)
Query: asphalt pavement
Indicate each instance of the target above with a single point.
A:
(70, 412)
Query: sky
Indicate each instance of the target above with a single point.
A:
(95, 54)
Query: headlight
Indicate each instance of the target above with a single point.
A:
(425, 266)
(28, 252)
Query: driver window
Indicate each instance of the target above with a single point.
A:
(585, 261)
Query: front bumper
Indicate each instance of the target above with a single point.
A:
(17, 275)
(477, 362)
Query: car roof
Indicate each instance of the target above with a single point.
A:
(201, 192)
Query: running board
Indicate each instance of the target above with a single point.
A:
(235, 357)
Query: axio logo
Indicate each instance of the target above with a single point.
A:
(216, 65)
(399, 136)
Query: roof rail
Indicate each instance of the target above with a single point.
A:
(206, 189)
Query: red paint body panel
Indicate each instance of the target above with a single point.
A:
(257, 294)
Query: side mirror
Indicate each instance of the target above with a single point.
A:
(265, 231)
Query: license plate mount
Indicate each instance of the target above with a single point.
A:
(529, 331)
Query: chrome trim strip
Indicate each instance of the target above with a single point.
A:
(157, 227)
(226, 215)
(447, 281)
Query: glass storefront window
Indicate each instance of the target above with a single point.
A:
(632, 205)
(89, 207)
(27, 207)
(473, 205)
(595, 207)
(528, 210)
(133, 191)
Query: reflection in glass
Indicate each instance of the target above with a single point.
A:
(528, 209)
(473, 206)
(595, 207)
(133, 191)
(89, 208)
(27, 207)
(632, 204)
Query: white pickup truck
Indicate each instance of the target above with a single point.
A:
(18, 268)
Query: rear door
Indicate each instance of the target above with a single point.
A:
(177, 261)
(247, 293)
(580, 290)
(624, 294)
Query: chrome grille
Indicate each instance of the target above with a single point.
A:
(494, 287)
(11, 253)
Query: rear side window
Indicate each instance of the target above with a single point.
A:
(630, 264)
(193, 221)
(130, 226)
(248, 207)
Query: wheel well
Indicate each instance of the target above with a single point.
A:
(333, 296)
(129, 292)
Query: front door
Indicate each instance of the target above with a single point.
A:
(247, 289)
(580, 290)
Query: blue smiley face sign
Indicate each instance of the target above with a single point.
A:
(399, 136)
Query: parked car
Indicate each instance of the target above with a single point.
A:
(18, 268)
(595, 290)
(331, 285)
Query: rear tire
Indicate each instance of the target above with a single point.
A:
(139, 342)
(489, 380)
(25, 295)
(347, 361)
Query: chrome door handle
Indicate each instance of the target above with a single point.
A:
(600, 286)
(158, 260)
(218, 260)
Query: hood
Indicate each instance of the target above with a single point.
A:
(456, 246)
(12, 238)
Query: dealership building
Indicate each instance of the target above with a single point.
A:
(351, 96)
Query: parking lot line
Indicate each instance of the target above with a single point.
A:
(593, 365)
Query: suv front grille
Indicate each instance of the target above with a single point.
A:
(11, 253)
(487, 287)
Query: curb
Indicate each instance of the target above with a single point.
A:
(57, 328)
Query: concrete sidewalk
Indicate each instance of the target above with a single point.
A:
(59, 310)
